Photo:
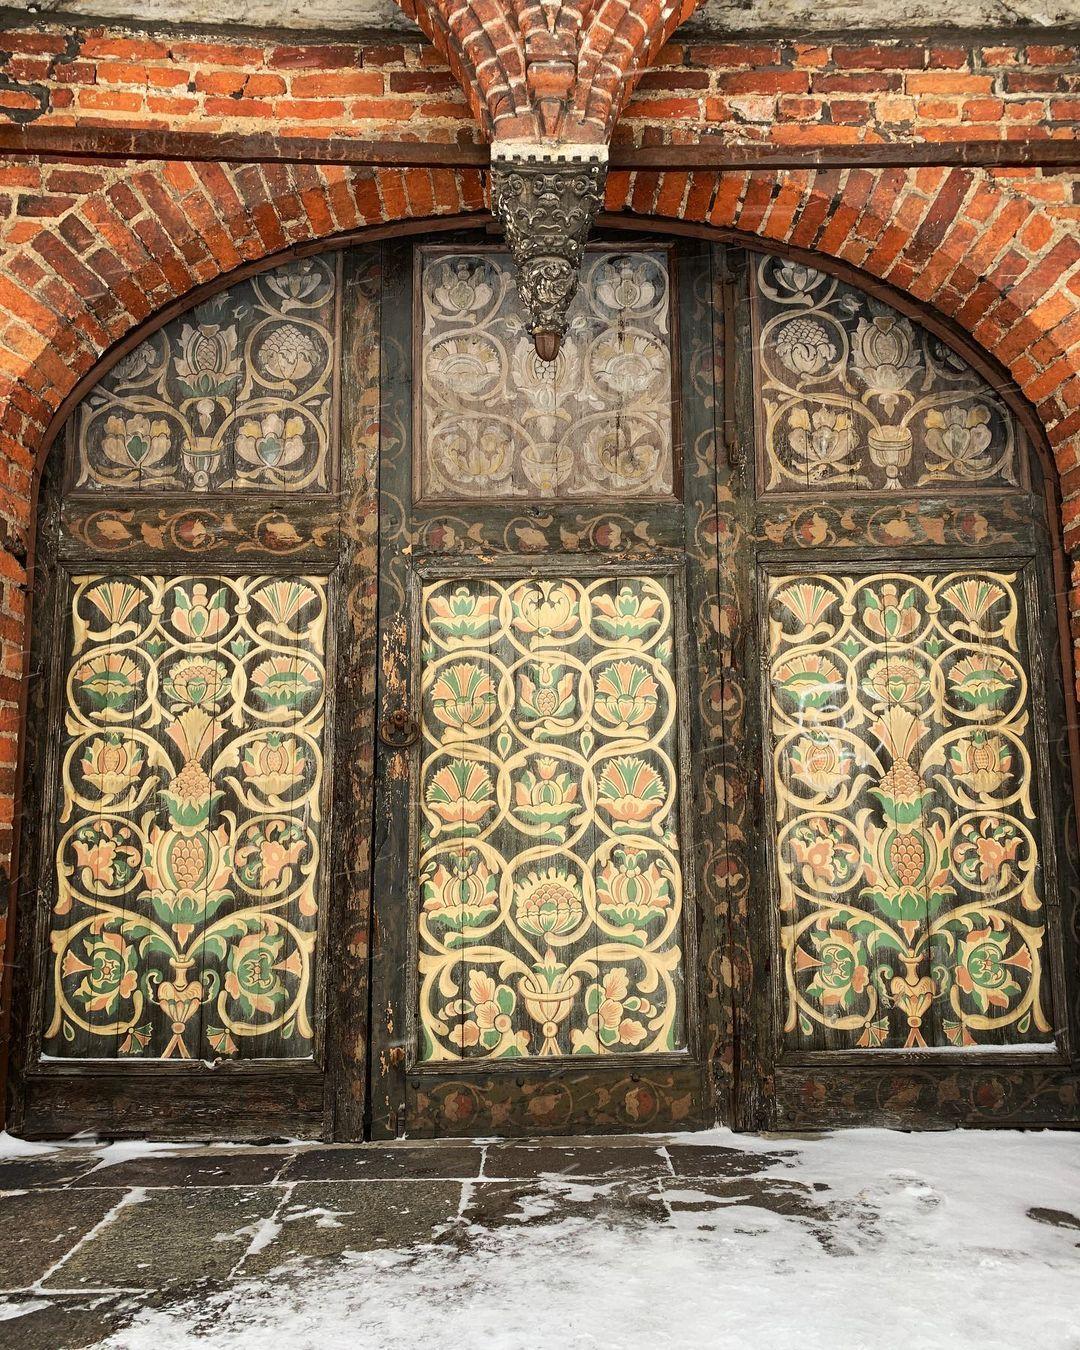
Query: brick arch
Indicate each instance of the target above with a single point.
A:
(532, 70)
(992, 253)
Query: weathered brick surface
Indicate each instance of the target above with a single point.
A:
(89, 250)
(784, 92)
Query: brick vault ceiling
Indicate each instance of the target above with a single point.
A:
(715, 15)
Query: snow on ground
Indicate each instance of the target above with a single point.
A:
(928, 1245)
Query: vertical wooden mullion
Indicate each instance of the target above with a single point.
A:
(754, 945)
(390, 874)
(354, 650)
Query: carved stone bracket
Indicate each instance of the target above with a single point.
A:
(546, 199)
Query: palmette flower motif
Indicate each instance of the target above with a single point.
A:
(974, 597)
(136, 442)
(626, 695)
(461, 794)
(631, 792)
(116, 600)
(463, 696)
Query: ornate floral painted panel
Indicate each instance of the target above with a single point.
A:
(856, 396)
(496, 422)
(238, 393)
(911, 889)
(550, 874)
(187, 848)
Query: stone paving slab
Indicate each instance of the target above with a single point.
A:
(247, 1168)
(37, 1228)
(168, 1237)
(509, 1161)
(34, 1173)
(437, 1162)
(324, 1219)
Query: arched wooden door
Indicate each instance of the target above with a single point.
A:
(426, 739)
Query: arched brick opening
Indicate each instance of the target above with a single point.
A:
(981, 249)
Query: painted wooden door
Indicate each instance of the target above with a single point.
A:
(906, 954)
(173, 914)
(546, 840)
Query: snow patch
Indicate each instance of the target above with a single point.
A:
(865, 1237)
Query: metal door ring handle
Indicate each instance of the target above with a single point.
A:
(399, 730)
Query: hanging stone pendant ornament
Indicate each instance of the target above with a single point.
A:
(546, 199)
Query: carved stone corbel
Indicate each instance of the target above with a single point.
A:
(546, 199)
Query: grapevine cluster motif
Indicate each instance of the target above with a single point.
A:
(855, 395)
(910, 885)
(187, 846)
(497, 422)
(236, 394)
(551, 892)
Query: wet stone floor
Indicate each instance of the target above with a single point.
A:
(94, 1240)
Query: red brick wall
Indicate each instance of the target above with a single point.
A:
(782, 92)
(88, 250)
